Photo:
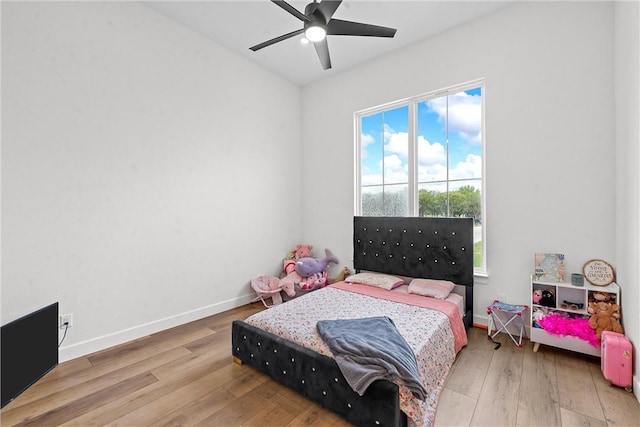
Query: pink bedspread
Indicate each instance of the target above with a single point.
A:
(459, 332)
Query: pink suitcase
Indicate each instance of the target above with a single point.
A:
(616, 359)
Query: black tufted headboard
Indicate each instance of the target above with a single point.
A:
(432, 248)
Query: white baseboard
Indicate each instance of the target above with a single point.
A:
(100, 343)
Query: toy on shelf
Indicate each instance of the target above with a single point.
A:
(548, 298)
(604, 320)
(536, 296)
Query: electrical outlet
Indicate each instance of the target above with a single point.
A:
(66, 320)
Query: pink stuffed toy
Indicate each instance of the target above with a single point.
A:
(302, 250)
(537, 296)
(292, 278)
(316, 281)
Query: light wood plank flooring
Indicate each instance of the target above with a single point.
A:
(185, 376)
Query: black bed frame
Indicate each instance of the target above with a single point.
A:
(436, 248)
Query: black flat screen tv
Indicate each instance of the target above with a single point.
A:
(28, 350)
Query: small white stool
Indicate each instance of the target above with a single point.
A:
(514, 311)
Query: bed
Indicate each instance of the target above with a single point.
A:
(433, 248)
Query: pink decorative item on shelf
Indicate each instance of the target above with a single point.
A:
(537, 296)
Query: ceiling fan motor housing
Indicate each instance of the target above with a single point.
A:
(315, 16)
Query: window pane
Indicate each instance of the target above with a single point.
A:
(372, 201)
(464, 199)
(396, 200)
(432, 140)
(371, 149)
(465, 134)
(432, 199)
(388, 200)
(396, 146)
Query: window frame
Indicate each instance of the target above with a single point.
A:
(413, 185)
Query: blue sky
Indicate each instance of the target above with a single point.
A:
(385, 147)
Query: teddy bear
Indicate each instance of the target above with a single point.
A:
(302, 250)
(343, 274)
(601, 296)
(603, 319)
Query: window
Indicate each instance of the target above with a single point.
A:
(424, 157)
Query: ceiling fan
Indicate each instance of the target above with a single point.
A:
(319, 22)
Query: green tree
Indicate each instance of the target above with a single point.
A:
(432, 203)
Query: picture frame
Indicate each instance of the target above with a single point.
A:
(598, 272)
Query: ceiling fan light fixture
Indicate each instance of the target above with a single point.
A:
(315, 32)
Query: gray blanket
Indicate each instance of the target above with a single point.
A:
(369, 349)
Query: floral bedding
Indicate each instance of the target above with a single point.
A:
(428, 332)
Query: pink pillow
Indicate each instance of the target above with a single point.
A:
(378, 280)
(431, 288)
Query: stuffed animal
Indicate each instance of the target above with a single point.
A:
(591, 307)
(602, 297)
(603, 319)
(292, 278)
(318, 280)
(307, 267)
(288, 285)
(537, 296)
(343, 274)
(302, 250)
(538, 314)
(548, 299)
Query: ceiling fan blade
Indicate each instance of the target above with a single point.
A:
(328, 8)
(276, 40)
(322, 49)
(292, 10)
(338, 27)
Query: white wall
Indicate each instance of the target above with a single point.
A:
(146, 175)
(627, 113)
(550, 151)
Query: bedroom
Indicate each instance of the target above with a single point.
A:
(127, 158)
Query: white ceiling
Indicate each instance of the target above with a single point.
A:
(237, 25)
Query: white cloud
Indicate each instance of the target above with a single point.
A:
(430, 154)
(465, 114)
(471, 167)
(395, 170)
(397, 143)
(366, 139)
(436, 172)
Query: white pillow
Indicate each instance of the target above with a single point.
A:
(379, 280)
(431, 288)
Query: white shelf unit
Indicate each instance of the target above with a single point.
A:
(565, 291)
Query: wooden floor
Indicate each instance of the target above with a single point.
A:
(185, 376)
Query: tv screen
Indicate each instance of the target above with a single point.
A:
(29, 349)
